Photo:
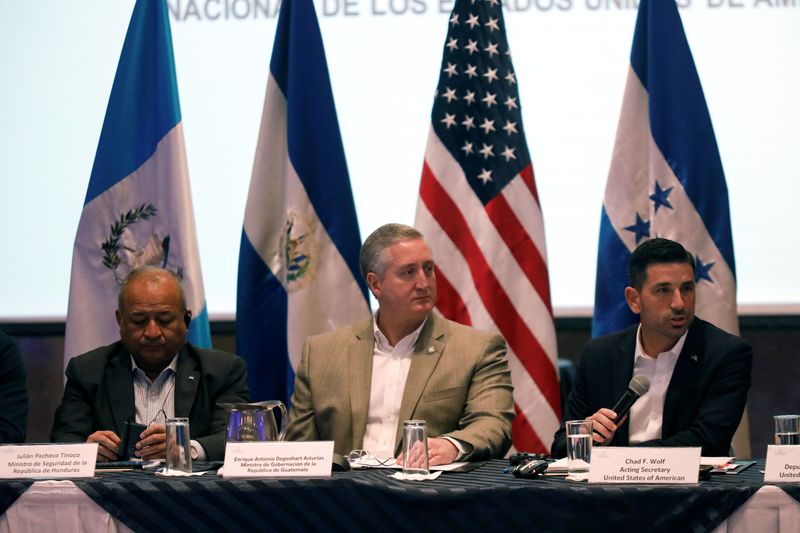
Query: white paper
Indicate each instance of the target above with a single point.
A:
(644, 465)
(278, 459)
(558, 466)
(390, 462)
(783, 464)
(178, 473)
(48, 461)
(715, 461)
(415, 477)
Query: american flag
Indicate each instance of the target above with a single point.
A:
(480, 211)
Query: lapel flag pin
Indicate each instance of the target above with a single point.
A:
(431, 349)
(694, 358)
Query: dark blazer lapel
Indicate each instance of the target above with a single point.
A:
(187, 379)
(359, 361)
(119, 389)
(623, 372)
(427, 352)
(683, 376)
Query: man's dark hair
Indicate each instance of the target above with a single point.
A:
(655, 251)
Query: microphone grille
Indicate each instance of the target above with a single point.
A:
(639, 385)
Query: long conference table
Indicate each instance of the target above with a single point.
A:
(484, 499)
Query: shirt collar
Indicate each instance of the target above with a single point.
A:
(383, 343)
(674, 351)
(172, 368)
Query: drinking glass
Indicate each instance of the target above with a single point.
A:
(179, 448)
(415, 447)
(787, 430)
(579, 446)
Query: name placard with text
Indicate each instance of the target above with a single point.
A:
(278, 459)
(783, 464)
(644, 465)
(48, 461)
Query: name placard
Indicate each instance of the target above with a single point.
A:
(278, 459)
(48, 461)
(783, 464)
(644, 465)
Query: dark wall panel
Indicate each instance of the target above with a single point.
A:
(775, 390)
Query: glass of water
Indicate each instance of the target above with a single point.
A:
(179, 448)
(579, 446)
(415, 447)
(787, 430)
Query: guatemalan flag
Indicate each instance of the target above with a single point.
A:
(138, 207)
(298, 261)
(666, 177)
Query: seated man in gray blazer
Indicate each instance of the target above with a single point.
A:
(149, 375)
(357, 385)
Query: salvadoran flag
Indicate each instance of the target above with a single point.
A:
(138, 208)
(666, 177)
(298, 261)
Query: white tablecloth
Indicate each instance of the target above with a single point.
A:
(58, 507)
(769, 509)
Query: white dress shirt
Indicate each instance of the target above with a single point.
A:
(390, 366)
(155, 400)
(647, 413)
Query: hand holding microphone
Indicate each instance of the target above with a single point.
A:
(605, 423)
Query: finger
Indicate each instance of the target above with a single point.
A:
(104, 454)
(104, 442)
(153, 452)
(602, 424)
(111, 436)
(155, 429)
(608, 413)
(601, 430)
(152, 440)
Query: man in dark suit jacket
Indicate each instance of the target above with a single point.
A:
(13, 392)
(101, 390)
(706, 381)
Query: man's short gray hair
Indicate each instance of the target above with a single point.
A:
(371, 257)
(138, 272)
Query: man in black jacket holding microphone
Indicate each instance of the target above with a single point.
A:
(698, 374)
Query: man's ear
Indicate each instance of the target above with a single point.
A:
(119, 317)
(374, 283)
(632, 299)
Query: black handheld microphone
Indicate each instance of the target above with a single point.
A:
(638, 386)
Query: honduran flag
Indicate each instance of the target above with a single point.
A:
(298, 261)
(666, 177)
(138, 208)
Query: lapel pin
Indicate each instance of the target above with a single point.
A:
(694, 358)
(191, 378)
(431, 349)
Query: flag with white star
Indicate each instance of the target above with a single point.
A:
(666, 177)
(479, 210)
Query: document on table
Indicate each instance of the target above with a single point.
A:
(390, 462)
